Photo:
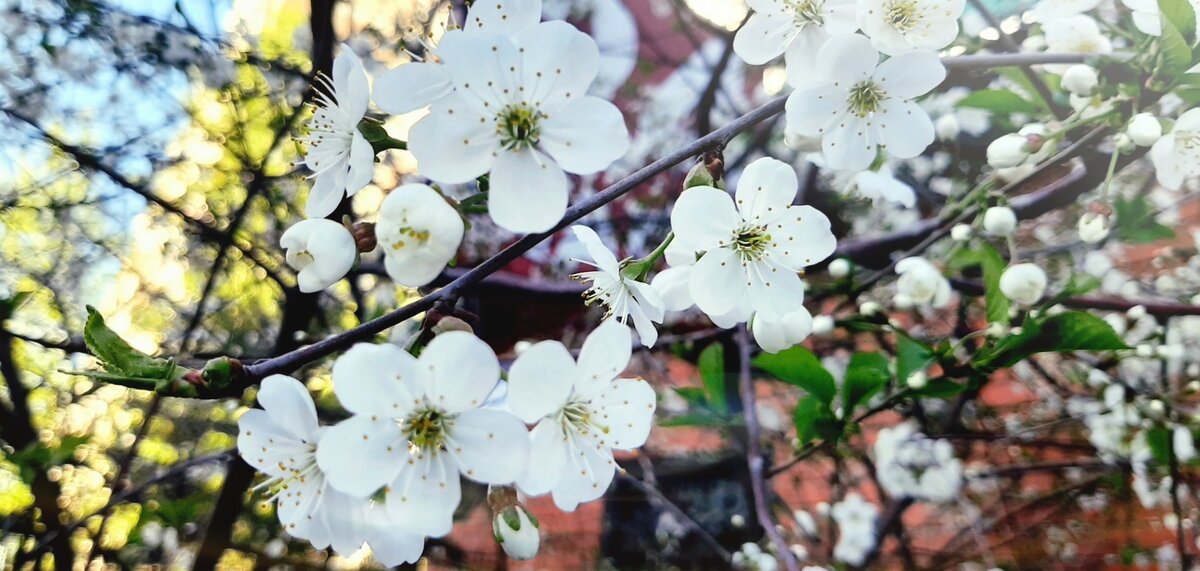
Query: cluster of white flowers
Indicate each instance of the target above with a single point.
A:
(857, 535)
(910, 464)
(389, 475)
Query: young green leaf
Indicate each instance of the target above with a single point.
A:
(866, 374)
(992, 264)
(999, 102)
(814, 419)
(798, 366)
(712, 374)
(119, 357)
(1069, 331)
(911, 356)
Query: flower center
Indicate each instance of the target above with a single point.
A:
(518, 126)
(807, 12)
(751, 242)
(578, 415)
(303, 259)
(406, 233)
(901, 14)
(426, 429)
(866, 97)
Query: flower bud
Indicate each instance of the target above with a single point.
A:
(709, 171)
(1080, 79)
(364, 236)
(515, 529)
(1023, 283)
(451, 323)
(1008, 151)
(917, 380)
(961, 232)
(822, 325)
(870, 308)
(947, 127)
(1093, 227)
(1144, 129)
(839, 268)
(999, 221)
(1124, 143)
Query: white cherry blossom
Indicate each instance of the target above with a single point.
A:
(1078, 34)
(901, 26)
(626, 300)
(1176, 155)
(419, 233)
(922, 283)
(910, 464)
(281, 441)
(1023, 283)
(776, 335)
(519, 110)
(750, 247)
(321, 251)
(855, 518)
(883, 185)
(340, 157)
(1050, 10)
(582, 411)
(858, 106)
(415, 85)
(792, 28)
(416, 425)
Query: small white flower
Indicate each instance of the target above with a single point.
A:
(1049, 10)
(1147, 17)
(1182, 444)
(416, 85)
(922, 282)
(625, 300)
(419, 233)
(281, 441)
(583, 412)
(883, 185)
(776, 335)
(855, 518)
(517, 532)
(999, 221)
(1177, 154)
(750, 247)
(1093, 227)
(794, 28)
(917, 380)
(823, 325)
(858, 105)
(520, 111)
(322, 251)
(901, 26)
(910, 464)
(947, 127)
(870, 308)
(340, 157)
(839, 268)
(961, 232)
(1080, 79)
(1076, 34)
(416, 425)
(1023, 283)
(1144, 129)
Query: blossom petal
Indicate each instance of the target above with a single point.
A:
(454, 144)
(423, 496)
(350, 83)
(389, 546)
(361, 454)
(463, 370)
(289, 405)
(847, 58)
(268, 447)
(812, 108)
(510, 17)
(559, 64)
(601, 255)
(378, 379)
(803, 238)
(605, 353)
(764, 37)
(627, 410)
(528, 191)
(774, 290)
(765, 190)
(673, 284)
(419, 233)
(491, 446)
(849, 144)
(704, 218)
(324, 196)
(588, 472)
(904, 129)
(540, 380)
(585, 136)
(798, 58)
(411, 86)
(718, 281)
(548, 458)
(910, 75)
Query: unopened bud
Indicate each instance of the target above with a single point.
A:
(870, 308)
(1080, 79)
(1093, 227)
(947, 127)
(822, 325)
(515, 529)
(364, 236)
(961, 232)
(1124, 143)
(1144, 129)
(451, 323)
(917, 380)
(999, 221)
(709, 171)
(839, 268)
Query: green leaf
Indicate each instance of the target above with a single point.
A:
(992, 265)
(118, 357)
(866, 374)
(814, 419)
(911, 356)
(798, 366)
(692, 419)
(1018, 77)
(999, 102)
(1181, 15)
(1070, 331)
(712, 374)
(940, 387)
(1176, 54)
(1135, 222)
(1158, 439)
(693, 395)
